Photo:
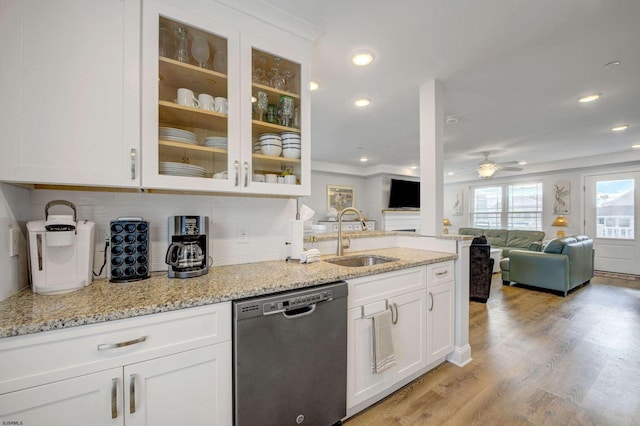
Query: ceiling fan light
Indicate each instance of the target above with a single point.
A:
(363, 58)
(487, 170)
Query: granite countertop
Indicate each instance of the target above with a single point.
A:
(26, 312)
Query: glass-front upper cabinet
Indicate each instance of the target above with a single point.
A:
(279, 116)
(225, 103)
(191, 109)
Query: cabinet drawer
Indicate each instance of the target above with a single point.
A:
(372, 288)
(56, 355)
(440, 272)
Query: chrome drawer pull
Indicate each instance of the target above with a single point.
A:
(431, 300)
(132, 393)
(246, 174)
(441, 274)
(107, 346)
(114, 398)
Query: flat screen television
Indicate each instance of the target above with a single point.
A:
(404, 194)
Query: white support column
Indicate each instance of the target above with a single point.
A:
(461, 354)
(431, 158)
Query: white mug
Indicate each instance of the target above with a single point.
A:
(272, 178)
(206, 102)
(186, 98)
(280, 179)
(221, 105)
(290, 179)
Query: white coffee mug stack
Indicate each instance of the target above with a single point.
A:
(206, 102)
(187, 98)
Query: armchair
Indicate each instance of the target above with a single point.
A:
(563, 264)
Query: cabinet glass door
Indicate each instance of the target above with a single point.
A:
(189, 133)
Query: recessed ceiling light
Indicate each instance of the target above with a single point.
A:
(522, 163)
(620, 128)
(364, 159)
(363, 58)
(313, 85)
(589, 98)
(413, 167)
(450, 173)
(636, 146)
(362, 102)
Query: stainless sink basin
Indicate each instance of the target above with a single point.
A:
(360, 260)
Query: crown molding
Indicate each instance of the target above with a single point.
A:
(382, 169)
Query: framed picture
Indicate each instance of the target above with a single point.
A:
(561, 197)
(340, 197)
(458, 204)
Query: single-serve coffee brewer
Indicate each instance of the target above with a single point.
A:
(188, 252)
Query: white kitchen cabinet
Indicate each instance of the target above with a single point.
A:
(440, 311)
(241, 41)
(79, 401)
(70, 103)
(175, 368)
(404, 293)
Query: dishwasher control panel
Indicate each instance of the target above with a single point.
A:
(298, 301)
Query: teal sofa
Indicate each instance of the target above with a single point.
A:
(563, 264)
(507, 239)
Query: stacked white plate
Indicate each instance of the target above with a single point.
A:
(271, 144)
(216, 142)
(177, 135)
(257, 148)
(291, 145)
(180, 169)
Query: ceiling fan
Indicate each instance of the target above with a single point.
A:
(487, 168)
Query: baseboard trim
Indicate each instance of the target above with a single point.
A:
(460, 356)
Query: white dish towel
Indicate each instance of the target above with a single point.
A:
(310, 256)
(381, 341)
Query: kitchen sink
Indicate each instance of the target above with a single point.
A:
(360, 260)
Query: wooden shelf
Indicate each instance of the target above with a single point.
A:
(277, 159)
(195, 152)
(258, 127)
(178, 74)
(274, 94)
(193, 117)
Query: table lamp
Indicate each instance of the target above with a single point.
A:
(560, 221)
(446, 222)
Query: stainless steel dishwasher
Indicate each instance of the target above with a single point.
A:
(290, 357)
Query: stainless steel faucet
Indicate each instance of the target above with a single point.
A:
(340, 250)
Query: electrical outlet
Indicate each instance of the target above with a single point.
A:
(14, 242)
(243, 235)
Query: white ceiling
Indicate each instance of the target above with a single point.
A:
(512, 72)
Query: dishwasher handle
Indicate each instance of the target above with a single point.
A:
(299, 312)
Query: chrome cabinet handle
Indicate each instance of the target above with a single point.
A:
(39, 248)
(246, 174)
(431, 300)
(132, 393)
(107, 346)
(114, 398)
(237, 166)
(133, 154)
(394, 316)
(440, 274)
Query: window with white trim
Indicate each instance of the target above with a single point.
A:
(508, 206)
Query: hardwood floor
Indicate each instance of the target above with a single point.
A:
(538, 359)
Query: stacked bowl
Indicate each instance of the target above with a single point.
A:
(291, 145)
(271, 144)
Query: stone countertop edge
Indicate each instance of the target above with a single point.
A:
(101, 301)
(328, 236)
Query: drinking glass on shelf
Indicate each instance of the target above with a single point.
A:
(286, 110)
(200, 50)
(288, 75)
(272, 114)
(262, 103)
(162, 48)
(277, 81)
(182, 44)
